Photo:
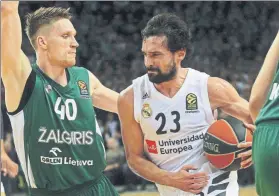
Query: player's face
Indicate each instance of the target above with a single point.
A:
(158, 59)
(61, 43)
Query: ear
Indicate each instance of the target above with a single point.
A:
(180, 54)
(41, 42)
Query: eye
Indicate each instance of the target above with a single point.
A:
(65, 36)
(155, 54)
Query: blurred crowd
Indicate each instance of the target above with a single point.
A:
(229, 39)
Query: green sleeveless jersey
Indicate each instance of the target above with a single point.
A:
(270, 111)
(56, 134)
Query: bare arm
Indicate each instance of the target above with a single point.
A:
(223, 95)
(15, 67)
(102, 97)
(133, 141)
(134, 148)
(264, 79)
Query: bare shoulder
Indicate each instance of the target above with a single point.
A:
(91, 75)
(125, 105)
(220, 92)
(215, 83)
(94, 82)
(126, 96)
(218, 86)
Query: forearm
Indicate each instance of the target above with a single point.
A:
(264, 79)
(11, 36)
(2, 147)
(239, 110)
(148, 170)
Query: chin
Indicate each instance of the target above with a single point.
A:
(159, 79)
(155, 80)
(70, 64)
(151, 75)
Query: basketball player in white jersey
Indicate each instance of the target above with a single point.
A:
(165, 113)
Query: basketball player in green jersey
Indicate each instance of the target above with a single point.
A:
(264, 110)
(56, 135)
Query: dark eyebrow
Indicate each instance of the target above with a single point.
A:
(156, 52)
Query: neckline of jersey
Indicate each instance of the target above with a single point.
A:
(57, 85)
(177, 93)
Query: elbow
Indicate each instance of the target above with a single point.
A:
(131, 166)
(254, 108)
(252, 105)
(133, 162)
(130, 161)
(253, 101)
(256, 103)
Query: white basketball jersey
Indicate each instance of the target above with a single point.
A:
(173, 130)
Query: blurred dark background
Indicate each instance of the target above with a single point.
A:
(230, 41)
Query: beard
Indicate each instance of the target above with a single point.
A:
(158, 77)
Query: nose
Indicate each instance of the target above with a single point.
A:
(74, 43)
(148, 61)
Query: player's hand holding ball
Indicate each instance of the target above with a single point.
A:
(189, 182)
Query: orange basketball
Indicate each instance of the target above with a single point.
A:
(220, 145)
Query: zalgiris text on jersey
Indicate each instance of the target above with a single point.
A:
(61, 137)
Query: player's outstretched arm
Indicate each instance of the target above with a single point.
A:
(223, 95)
(264, 79)
(15, 67)
(102, 97)
(134, 147)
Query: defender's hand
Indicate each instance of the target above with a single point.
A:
(8, 167)
(250, 127)
(246, 157)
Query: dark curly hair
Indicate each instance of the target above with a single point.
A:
(176, 31)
